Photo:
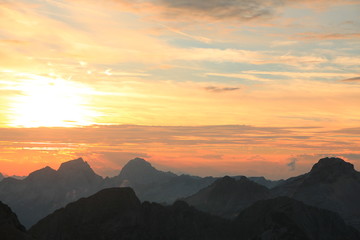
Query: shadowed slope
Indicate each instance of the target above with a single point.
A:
(288, 219)
(10, 227)
(227, 197)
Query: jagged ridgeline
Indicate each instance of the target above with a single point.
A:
(301, 207)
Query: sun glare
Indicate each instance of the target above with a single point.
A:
(51, 102)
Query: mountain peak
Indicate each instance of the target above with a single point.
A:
(140, 171)
(330, 169)
(78, 163)
(139, 162)
(332, 164)
(42, 173)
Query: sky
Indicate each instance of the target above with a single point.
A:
(230, 87)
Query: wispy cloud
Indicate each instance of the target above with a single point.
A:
(327, 36)
(354, 79)
(292, 163)
(221, 89)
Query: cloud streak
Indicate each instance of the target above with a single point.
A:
(221, 89)
(354, 79)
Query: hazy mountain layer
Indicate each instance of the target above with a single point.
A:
(46, 190)
(227, 197)
(151, 184)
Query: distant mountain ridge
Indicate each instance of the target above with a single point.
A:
(46, 189)
(227, 196)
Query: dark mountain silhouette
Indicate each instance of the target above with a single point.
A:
(140, 172)
(46, 190)
(117, 213)
(331, 184)
(151, 184)
(288, 219)
(10, 227)
(227, 196)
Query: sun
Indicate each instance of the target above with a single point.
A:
(51, 102)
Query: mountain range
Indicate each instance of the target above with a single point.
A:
(46, 189)
(332, 185)
(117, 213)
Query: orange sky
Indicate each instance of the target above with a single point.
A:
(203, 87)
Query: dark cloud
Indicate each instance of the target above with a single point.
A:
(292, 163)
(354, 79)
(220, 89)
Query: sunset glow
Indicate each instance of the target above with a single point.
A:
(204, 87)
(49, 102)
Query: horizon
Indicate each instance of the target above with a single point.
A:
(259, 88)
(160, 168)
